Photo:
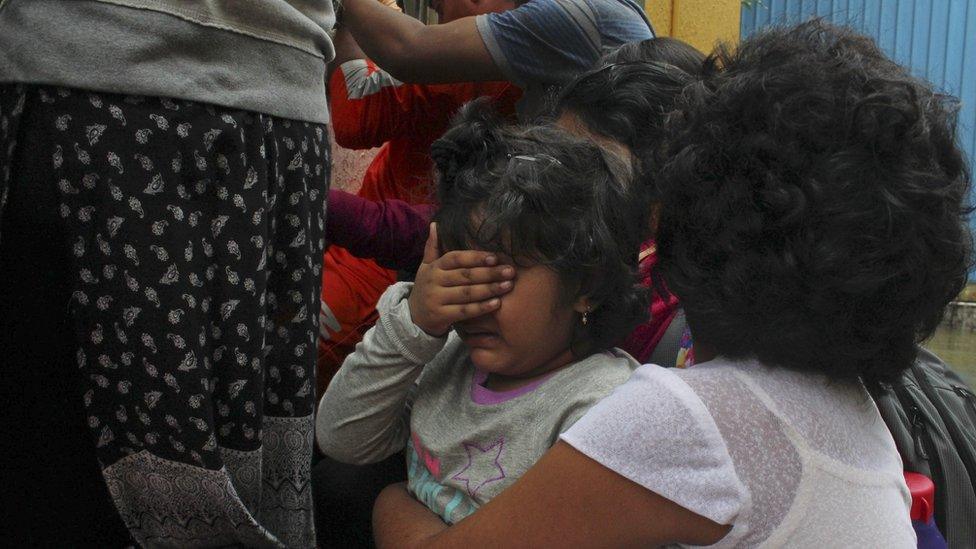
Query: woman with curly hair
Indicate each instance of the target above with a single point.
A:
(814, 227)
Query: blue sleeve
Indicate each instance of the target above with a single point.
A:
(542, 42)
(547, 42)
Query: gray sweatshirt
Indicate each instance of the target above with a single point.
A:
(465, 443)
(266, 56)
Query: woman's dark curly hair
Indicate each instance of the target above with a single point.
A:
(814, 205)
(628, 94)
(540, 195)
(660, 49)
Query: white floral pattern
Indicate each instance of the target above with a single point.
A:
(196, 235)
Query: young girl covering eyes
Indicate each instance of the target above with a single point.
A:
(478, 377)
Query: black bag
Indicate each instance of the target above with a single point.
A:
(931, 413)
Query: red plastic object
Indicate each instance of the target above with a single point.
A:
(923, 496)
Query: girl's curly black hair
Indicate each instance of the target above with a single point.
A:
(541, 195)
(814, 205)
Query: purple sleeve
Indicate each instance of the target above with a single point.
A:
(391, 232)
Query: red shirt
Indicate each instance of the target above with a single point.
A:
(642, 341)
(370, 108)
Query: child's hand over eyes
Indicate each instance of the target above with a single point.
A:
(456, 286)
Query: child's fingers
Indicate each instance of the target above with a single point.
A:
(461, 259)
(473, 293)
(457, 313)
(475, 275)
(431, 251)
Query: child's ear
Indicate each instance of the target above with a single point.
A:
(584, 304)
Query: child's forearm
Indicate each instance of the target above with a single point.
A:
(362, 417)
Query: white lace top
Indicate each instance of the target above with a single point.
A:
(788, 459)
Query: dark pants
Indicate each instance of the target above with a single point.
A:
(160, 266)
(344, 496)
(51, 482)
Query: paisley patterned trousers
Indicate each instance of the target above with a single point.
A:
(160, 266)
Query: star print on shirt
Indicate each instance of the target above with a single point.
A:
(483, 463)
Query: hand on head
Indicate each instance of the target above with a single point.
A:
(456, 286)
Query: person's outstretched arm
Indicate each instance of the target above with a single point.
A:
(391, 232)
(345, 45)
(346, 49)
(539, 43)
(414, 52)
(370, 107)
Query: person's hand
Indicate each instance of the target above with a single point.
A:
(390, 4)
(456, 286)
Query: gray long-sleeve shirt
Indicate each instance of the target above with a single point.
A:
(465, 443)
(266, 56)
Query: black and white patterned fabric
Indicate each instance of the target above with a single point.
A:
(195, 237)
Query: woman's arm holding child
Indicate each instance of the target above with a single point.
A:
(565, 500)
(399, 520)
